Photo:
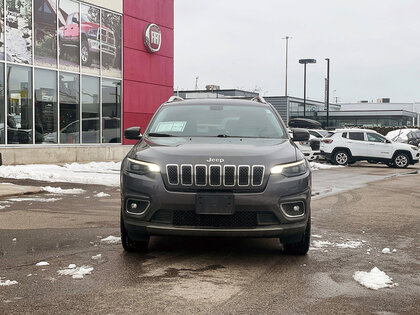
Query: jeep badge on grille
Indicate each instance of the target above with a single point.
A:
(213, 160)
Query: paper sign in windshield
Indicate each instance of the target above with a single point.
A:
(171, 126)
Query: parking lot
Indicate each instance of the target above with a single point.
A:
(357, 211)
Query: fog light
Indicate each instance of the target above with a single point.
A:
(293, 209)
(137, 206)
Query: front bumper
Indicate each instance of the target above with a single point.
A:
(279, 190)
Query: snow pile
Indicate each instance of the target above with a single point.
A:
(76, 272)
(35, 199)
(102, 194)
(5, 283)
(386, 250)
(349, 244)
(315, 166)
(59, 190)
(111, 240)
(4, 207)
(374, 279)
(96, 257)
(42, 263)
(101, 173)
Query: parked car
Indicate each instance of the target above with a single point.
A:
(90, 39)
(216, 167)
(318, 133)
(410, 136)
(346, 146)
(310, 148)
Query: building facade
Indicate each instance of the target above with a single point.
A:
(77, 73)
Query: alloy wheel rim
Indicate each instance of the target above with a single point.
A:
(401, 160)
(84, 54)
(341, 158)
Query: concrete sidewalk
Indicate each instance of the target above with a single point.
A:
(7, 190)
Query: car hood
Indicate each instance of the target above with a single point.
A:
(236, 151)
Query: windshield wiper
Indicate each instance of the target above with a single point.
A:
(157, 134)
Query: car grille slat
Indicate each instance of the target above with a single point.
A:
(201, 175)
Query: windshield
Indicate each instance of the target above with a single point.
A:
(217, 121)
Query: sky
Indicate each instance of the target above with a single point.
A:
(373, 45)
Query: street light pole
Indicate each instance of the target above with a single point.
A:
(328, 91)
(287, 57)
(305, 62)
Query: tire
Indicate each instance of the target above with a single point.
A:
(130, 245)
(302, 247)
(85, 54)
(341, 158)
(401, 160)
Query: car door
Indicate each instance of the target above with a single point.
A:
(378, 147)
(357, 143)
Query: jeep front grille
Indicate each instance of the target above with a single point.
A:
(202, 175)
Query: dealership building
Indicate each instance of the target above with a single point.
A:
(75, 74)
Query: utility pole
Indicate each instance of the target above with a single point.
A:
(196, 83)
(328, 91)
(305, 62)
(287, 57)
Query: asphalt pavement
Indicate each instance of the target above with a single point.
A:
(357, 211)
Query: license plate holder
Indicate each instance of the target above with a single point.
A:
(223, 204)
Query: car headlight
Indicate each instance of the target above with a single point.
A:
(93, 32)
(141, 168)
(290, 169)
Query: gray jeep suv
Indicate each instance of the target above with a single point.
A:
(216, 167)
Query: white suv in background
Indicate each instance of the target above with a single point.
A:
(346, 146)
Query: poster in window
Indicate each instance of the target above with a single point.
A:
(90, 44)
(1, 31)
(69, 35)
(45, 32)
(19, 31)
(111, 44)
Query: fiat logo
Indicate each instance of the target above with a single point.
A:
(152, 38)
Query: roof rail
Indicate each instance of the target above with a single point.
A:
(259, 99)
(174, 98)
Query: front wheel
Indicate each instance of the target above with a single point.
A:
(129, 244)
(302, 247)
(401, 160)
(341, 158)
(85, 54)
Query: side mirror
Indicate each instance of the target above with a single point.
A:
(132, 133)
(388, 141)
(300, 134)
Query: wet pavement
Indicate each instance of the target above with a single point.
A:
(204, 275)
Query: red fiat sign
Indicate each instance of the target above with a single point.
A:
(152, 38)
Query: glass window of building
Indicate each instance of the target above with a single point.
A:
(90, 110)
(69, 108)
(1, 30)
(2, 109)
(19, 105)
(111, 111)
(111, 44)
(45, 32)
(69, 35)
(90, 42)
(46, 109)
(19, 31)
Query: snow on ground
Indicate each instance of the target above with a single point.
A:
(96, 173)
(42, 263)
(102, 194)
(316, 235)
(387, 250)
(59, 190)
(76, 272)
(35, 199)
(374, 279)
(315, 166)
(4, 207)
(96, 257)
(319, 244)
(111, 240)
(349, 244)
(6, 283)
